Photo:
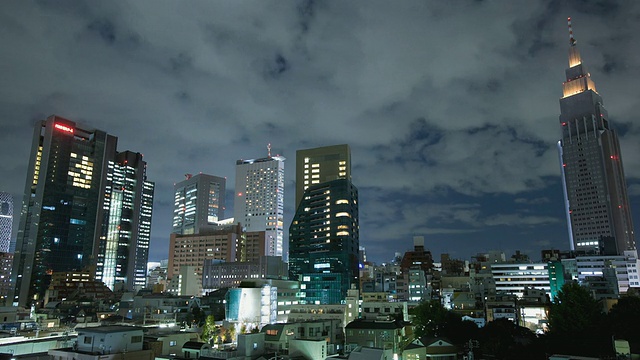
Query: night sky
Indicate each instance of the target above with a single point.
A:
(450, 107)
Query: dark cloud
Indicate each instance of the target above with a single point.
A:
(451, 108)
(104, 29)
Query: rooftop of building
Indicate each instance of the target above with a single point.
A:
(377, 324)
(107, 329)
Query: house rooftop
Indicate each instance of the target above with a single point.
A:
(109, 329)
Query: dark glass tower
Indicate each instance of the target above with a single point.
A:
(598, 213)
(77, 183)
(324, 234)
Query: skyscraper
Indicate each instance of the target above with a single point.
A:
(6, 220)
(259, 199)
(198, 203)
(324, 234)
(598, 213)
(123, 247)
(67, 211)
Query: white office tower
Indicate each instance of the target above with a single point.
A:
(259, 199)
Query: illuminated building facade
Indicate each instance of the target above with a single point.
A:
(222, 243)
(123, 247)
(259, 199)
(598, 212)
(198, 203)
(324, 234)
(6, 260)
(6, 221)
(65, 214)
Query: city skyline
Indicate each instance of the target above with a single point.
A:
(450, 111)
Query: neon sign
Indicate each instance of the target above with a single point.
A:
(63, 128)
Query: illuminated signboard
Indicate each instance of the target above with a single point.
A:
(64, 128)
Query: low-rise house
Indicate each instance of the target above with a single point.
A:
(383, 334)
(105, 343)
(250, 346)
(368, 353)
(169, 343)
(430, 348)
(193, 349)
(278, 337)
(32, 346)
(308, 349)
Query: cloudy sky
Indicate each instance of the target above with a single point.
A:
(450, 107)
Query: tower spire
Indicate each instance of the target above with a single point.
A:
(269, 149)
(572, 40)
(574, 54)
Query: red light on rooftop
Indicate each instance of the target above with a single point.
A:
(239, 194)
(64, 128)
(564, 124)
(564, 165)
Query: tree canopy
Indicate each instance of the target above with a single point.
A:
(577, 323)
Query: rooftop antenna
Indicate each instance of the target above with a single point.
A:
(269, 149)
(572, 40)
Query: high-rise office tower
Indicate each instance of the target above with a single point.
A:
(598, 213)
(324, 234)
(6, 220)
(123, 248)
(259, 199)
(198, 203)
(66, 205)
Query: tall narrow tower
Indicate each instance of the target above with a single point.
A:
(259, 199)
(122, 250)
(598, 213)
